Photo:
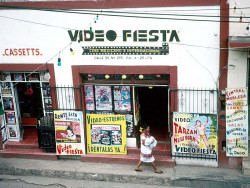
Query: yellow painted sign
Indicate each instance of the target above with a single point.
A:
(106, 134)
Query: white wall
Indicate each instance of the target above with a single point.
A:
(237, 76)
(197, 54)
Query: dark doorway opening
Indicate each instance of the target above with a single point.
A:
(154, 110)
(30, 103)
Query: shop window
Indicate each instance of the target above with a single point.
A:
(32, 77)
(18, 77)
(106, 77)
(152, 77)
(110, 100)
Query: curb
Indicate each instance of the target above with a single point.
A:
(149, 180)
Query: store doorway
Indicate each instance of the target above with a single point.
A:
(154, 110)
(30, 103)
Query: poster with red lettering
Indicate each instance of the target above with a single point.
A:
(69, 133)
(195, 134)
(237, 122)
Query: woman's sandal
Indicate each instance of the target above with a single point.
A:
(159, 172)
(138, 170)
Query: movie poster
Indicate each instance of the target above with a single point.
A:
(130, 125)
(195, 133)
(8, 103)
(103, 97)
(5, 76)
(6, 88)
(69, 132)
(136, 108)
(89, 97)
(236, 122)
(12, 130)
(106, 134)
(10, 117)
(122, 99)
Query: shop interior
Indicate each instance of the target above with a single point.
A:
(154, 110)
(30, 102)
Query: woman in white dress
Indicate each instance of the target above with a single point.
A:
(147, 144)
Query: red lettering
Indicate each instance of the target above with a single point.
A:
(32, 49)
(20, 52)
(175, 126)
(59, 149)
(184, 130)
(15, 52)
(28, 51)
(5, 52)
(11, 52)
(175, 140)
(180, 130)
(37, 52)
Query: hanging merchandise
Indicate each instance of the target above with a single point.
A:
(29, 89)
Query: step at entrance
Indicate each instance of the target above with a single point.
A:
(27, 148)
(28, 154)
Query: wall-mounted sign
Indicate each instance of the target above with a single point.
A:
(22, 52)
(237, 122)
(106, 134)
(69, 132)
(195, 133)
(126, 50)
(127, 35)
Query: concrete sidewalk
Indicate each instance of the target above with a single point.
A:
(182, 176)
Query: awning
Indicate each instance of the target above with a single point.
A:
(239, 41)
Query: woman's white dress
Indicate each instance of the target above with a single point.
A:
(146, 150)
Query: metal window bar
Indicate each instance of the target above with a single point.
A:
(64, 98)
(57, 98)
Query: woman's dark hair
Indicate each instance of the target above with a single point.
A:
(145, 125)
(69, 128)
(197, 121)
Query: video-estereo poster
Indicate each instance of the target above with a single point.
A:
(69, 132)
(106, 134)
(195, 133)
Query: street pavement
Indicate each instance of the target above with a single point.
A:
(180, 175)
(10, 181)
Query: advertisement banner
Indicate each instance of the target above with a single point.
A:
(106, 134)
(69, 132)
(236, 122)
(195, 133)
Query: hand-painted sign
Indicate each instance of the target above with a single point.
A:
(106, 134)
(195, 133)
(237, 122)
(69, 132)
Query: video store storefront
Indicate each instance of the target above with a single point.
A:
(125, 65)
